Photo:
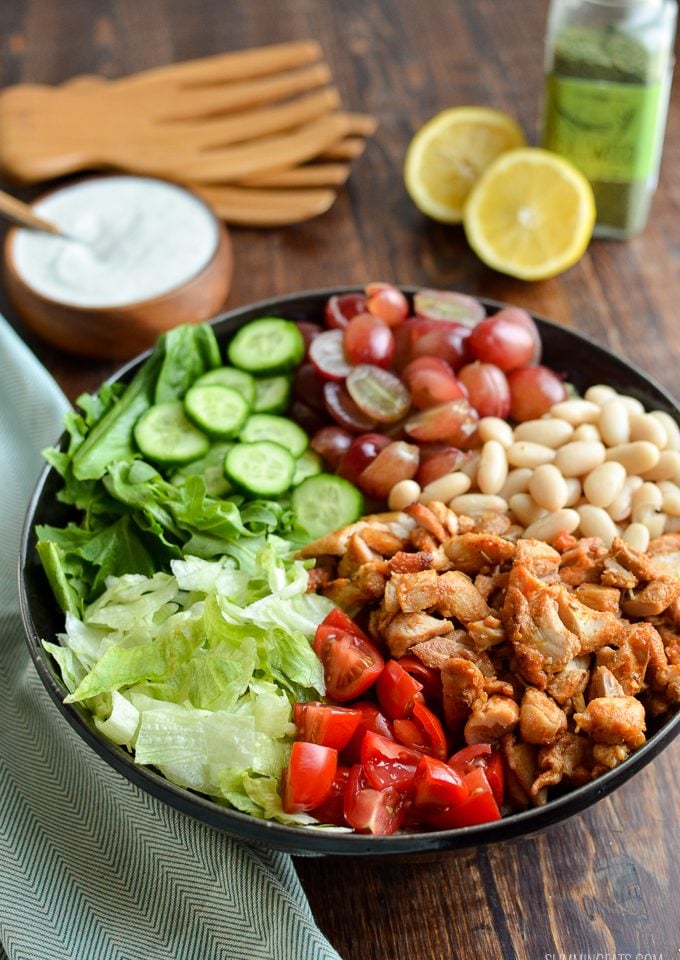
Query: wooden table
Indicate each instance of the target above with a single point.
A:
(605, 882)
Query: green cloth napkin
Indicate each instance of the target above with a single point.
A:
(91, 867)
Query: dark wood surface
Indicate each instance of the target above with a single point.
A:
(607, 881)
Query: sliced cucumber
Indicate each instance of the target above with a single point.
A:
(268, 345)
(218, 410)
(265, 426)
(308, 465)
(238, 380)
(325, 502)
(272, 394)
(262, 468)
(211, 468)
(165, 435)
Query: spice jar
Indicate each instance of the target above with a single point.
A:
(608, 75)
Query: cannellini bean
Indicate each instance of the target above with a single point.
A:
(596, 522)
(493, 428)
(526, 509)
(573, 491)
(550, 526)
(447, 487)
(517, 482)
(524, 453)
(643, 426)
(633, 405)
(551, 431)
(637, 457)
(671, 497)
(403, 494)
(576, 411)
(578, 457)
(473, 503)
(603, 484)
(614, 422)
(492, 471)
(656, 524)
(671, 428)
(667, 466)
(548, 487)
(599, 393)
(621, 507)
(637, 535)
(586, 431)
(647, 499)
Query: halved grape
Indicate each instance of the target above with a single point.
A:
(438, 459)
(340, 308)
(437, 338)
(448, 305)
(431, 382)
(331, 443)
(386, 301)
(362, 452)
(454, 422)
(308, 386)
(398, 461)
(344, 410)
(309, 331)
(378, 393)
(327, 353)
(504, 342)
(487, 387)
(310, 420)
(533, 390)
(524, 319)
(368, 339)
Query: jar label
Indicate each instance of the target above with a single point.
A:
(609, 130)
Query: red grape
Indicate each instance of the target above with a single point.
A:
(331, 443)
(503, 342)
(361, 453)
(487, 387)
(437, 338)
(378, 393)
(438, 459)
(386, 301)
(340, 308)
(308, 331)
(344, 410)
(398, 461)
(454, 422)
(308, 386)
(533, 390)
(431, 382)
(310, 420)
(368, 339)
(327, 353)
(448, 305)
(524, 319)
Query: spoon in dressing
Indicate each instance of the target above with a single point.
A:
(22, 214)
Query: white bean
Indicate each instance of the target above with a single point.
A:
(493, 428)
(447, 487)
(586, 431)
(524, 453)
(403, 494)
(614, 422)
(551, 431)
(596, 522)
(549, 527)
(599, 393)
(671, 428)
(621, 507)
(576, 411)
(633, 405)
(492, 471)
(647, 500)
(526, 509)
(473, 503)
(603, 484)
(637, 535)
(636, 457)
(671, 497)
(578, 457)
(573, 491)
(643, 426)
(667, 466)
(656, 524)
(548, 487)
(517, 482)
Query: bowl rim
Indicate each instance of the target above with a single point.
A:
(314, 840)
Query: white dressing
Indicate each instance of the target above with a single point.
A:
(135, 238)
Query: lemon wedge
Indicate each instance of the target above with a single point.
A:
(530, 215)
(448, 154)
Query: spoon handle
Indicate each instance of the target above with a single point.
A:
(19, 212)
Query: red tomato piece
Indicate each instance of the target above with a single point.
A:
(435, 738)
(397, 690)
(430, 679)
(482, 755)
(332, 808)
(495, 774)
(306, 781)
(387, 763)
(351, 663)
(371, 719)
(479, 807)
(436, 785)
(326, 724)
(369, 810)
(338, 618)
(410, 733)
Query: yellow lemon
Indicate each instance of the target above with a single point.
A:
(448, 154)
(530, 214)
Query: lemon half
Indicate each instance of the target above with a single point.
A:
(530, 215)
(447, 155)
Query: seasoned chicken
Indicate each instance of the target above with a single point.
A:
(491, 719)
(459, 599)
(539, 558)
(606, 756)
(541, 720)
(570, 683)
(597, 597)
(357, 553)
(569, 759)
(462, 685)
(521, 760)
(487, 632)
(628, 661)
(335, 543)
(402, 562)
(583, 563)
(593, 628)
(603, 683)
(425, 518)
(445, 515)
(653, 599)
(404, 630)
(417, 591)
(613, 720)
(474, 552)
(434, 653)
(541, 642)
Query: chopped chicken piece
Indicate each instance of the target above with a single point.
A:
(606, 756)
(653, 599)
(564, 541)
(614, 720)
(538, 557)
(541, 720)
(417, 591)
(486, 585)
(495, 523)
(434, 653)
(521, 761)
(502, 688)
(460, 599)
(487, 632)
(491, 719)
(628, 661)
(384, 542)
(335, 543)
(462, 685)
(614, 575)
(635, 561)
(664, 552)
(597, 597)
(667, 681)
(583, 563)
(317, 578)
(425, 518)
(406, 629)
(541, 642)
(357, 552)
(445, 515)
(390, 602)
(671, 642)
(474, 552)
(403, 562)
(569, 759)
(603, 683)
(423, 541)
(593, 628)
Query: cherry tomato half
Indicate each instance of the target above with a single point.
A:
(435, 738)
(371, 719)
(397, 690)
(331, 810)
(430, 679)
(369, 810)
(307, 780)
(351, 663)
(324, 723)
(387, 763)
(436, 785)
(482, 755)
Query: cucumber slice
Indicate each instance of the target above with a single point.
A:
(238, 380)
(165, 435)
(326, 502)
(262, 468)
(218, 410)
(268, 345)
(271, 394)
(211, 468)
(265, 426)
(308, 465)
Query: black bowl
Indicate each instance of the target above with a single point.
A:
(586, 363)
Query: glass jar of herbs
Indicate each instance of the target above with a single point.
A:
(608, 73)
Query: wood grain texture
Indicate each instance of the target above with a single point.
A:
(605, 881)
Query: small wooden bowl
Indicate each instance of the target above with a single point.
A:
(120, 332)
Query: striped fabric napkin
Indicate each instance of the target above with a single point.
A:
(91, 867)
